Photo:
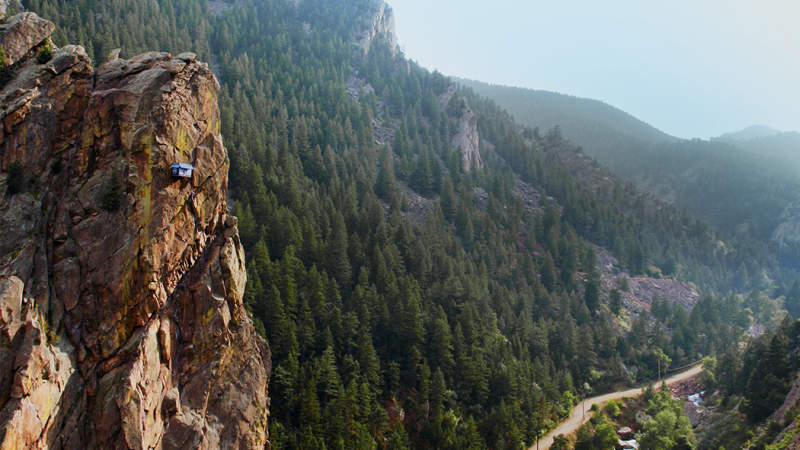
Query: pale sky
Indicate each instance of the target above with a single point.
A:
(692, 68)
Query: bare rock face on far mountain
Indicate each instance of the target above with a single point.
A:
(467, 140)
(121, 315)
(380, 25)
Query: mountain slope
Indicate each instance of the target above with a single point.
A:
(424, 269)
(760, 391)
(605, 132)
(120, 287)
(745, 188)
(746, 134)
(783, 147)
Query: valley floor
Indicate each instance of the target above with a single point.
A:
(577, 417)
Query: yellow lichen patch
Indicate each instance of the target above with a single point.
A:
(182, 141)
(120, 336)
(129, 286)
(145, 145)
(206, 319)
(11, 441)
(126, 280)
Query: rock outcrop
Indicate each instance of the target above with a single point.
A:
(121, 315)
(467, 140)
(22, 33)
(380, 25)
(642, 290)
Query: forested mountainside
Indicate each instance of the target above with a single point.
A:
(738, 192)
(606, 133)
(781, 146)
(748, 196)
(745, 188)
(424, 269)
(759, 393)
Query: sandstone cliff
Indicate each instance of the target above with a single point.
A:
(121, 315)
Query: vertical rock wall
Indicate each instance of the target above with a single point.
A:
(121, 315)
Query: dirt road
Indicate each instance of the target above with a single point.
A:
(576, 418)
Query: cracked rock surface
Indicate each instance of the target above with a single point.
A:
(121, 315)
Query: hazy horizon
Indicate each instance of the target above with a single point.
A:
(689, 69)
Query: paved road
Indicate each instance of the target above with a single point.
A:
(576, 418)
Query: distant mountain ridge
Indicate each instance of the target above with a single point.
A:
(604, 131)
(751, 132)
(782, 146)
(744, 183)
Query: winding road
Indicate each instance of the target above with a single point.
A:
(576, 418)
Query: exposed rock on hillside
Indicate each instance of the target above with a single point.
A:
(380, 25)
(22, 33)
(790, 435)
(217, 7)
(531, 197)
(643, 290)
(355, 87)
(791, 401)
(121, 314)
(467, 140)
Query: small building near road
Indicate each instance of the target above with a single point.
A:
(625, 433)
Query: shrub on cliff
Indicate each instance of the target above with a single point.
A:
(16, 178)
(6, 73)
(45, 54)
(112, 198)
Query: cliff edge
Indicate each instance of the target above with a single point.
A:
(121, 315)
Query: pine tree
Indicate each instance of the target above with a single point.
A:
(548, 273)
(615, 301)
(592, 292)
(329, 384)
(337, 259)
(385, 182)
(441, 342)
(422, 177)
(448, 199)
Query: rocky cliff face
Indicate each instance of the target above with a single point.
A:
(380, 25)
(121, 315)
(789, 437)
(467, 140)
